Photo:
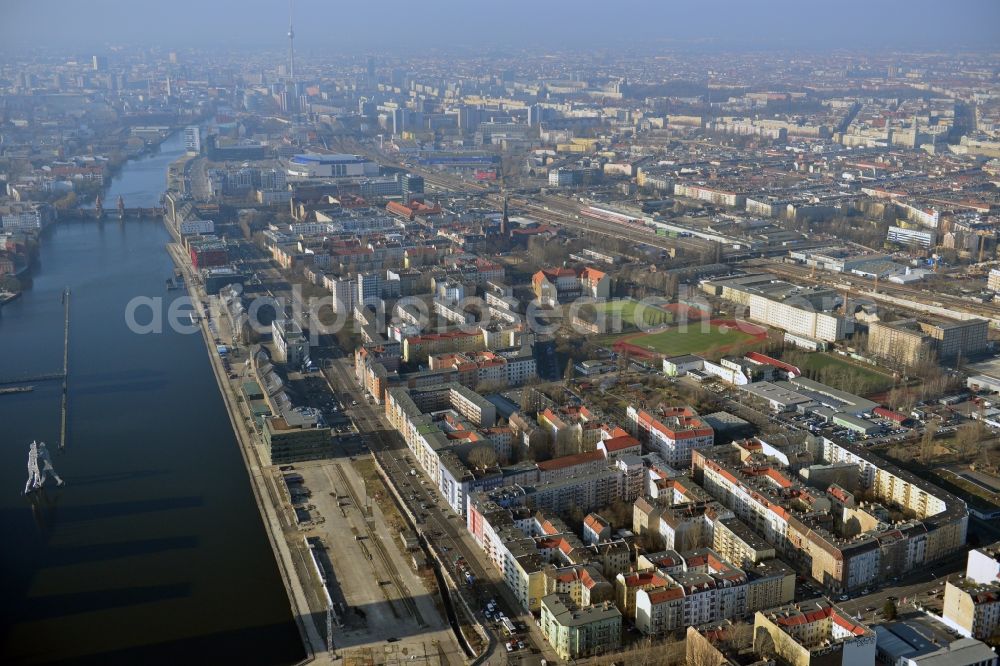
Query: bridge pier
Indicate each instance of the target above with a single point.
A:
(65, 385)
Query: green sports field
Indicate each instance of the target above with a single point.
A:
(695, 339)
(626, 309)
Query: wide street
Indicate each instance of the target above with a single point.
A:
(444, 529)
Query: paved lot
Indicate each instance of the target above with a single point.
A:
(372, 583)
(445, 529)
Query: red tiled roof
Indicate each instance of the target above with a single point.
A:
(621, 442)
(571, 460)
(665, 594)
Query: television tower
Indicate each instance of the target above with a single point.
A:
(291, 47)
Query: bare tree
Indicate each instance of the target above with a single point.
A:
(531, 401)
(969, 437)
(482, 457)
(700, 652)
(927, 445)
(569, 441)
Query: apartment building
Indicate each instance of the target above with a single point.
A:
(704, 588)
(900, 344)
(814, 632)
(736, 542)
(972, 604)
(290, 344)
(477, 367)
(909, 342)
(913, 237)
(416, 348)
(537, 554)
(993, 280)
(572, 424)
(711, 195)
(575, 632)
(818, 529)
(673, 433)
(553, 286)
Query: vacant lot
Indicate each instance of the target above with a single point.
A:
(835, 369)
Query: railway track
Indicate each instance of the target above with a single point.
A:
(567, 213)
(379, 547)
(868, 287)
(615, 230)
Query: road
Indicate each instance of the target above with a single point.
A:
(444, 528)
(921, 589)
(417, 624)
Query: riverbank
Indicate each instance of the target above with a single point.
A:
(265, 494)
(8, 296)
(156, 533)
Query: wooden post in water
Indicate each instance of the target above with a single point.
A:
(65, 385)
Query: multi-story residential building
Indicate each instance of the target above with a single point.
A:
(574, 424)
(192, 139)
(290, 345)
(673, 433)
(553, 286)
(702, 193)
(909, 342)
(417, 348)
(814, 632)
(993, 280)
(369, 289)
(477, 367)
(736, 542)
(846, 545)
(971, 609)
(595, 529)
(900, 344)
(344, 292)
(703, 588)
(583, 583)
(925, 238)
(575, 631)
(972, 604)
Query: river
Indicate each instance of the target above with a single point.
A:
(153, 552)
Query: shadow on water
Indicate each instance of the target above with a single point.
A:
(114, 477)
(99, 552)
(156, 491)
(69, 514)
(224, 647)
(130, 387)
(55, 605)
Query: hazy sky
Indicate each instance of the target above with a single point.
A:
(353, 24)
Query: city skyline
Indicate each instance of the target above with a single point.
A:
(784, 24)
(510, 335)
